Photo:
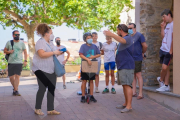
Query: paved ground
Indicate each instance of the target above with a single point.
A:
(68, 103)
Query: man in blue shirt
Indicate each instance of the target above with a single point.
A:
(139, 48)
(125, 64)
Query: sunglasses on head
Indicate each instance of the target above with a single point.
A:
(17, 34)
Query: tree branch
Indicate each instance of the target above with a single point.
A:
(16, 17)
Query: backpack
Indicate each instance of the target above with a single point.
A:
(100, 44)
(7, 55)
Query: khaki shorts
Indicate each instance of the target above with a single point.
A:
(138, 65)
(125, 77)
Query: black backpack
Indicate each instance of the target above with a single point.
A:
(100, 44)
(7, 55)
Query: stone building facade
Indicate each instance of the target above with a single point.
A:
(149, 21)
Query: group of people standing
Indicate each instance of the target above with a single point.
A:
(126, 56)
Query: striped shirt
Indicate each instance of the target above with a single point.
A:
(43, 64)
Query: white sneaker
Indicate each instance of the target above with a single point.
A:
(160, 83)
(164, 89)
(96, 90)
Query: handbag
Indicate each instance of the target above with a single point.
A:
(58, 67)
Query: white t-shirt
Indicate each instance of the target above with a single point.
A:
(167, 40)
(60, 57)
(109, 51)
(98, 46)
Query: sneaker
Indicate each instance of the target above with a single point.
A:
(160, 83)
(16, 93)
(83, 100)
(96, 90)
(64, 86)
(105, 91)
(164, 89)
(93, 99)
(113, 91)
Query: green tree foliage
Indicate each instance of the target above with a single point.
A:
(81, 14)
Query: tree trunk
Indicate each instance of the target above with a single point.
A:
(31, 44)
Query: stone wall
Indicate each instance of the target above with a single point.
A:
(150, 19)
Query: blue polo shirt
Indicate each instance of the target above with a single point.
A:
(124, 55)
(138, 39)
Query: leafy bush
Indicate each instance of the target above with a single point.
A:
(27, 66)
(75, 62)
(3, 62)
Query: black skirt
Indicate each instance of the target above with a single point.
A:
(87, 76)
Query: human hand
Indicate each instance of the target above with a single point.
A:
(89, 62)
(91, 57)
(107, 33)
(64, 62)
(163, 24)
(11, 51)
(57, 52)
(25, 64)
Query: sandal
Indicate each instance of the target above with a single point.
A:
(139, 97)
(53, 112)
(135, 95)
(38, 112)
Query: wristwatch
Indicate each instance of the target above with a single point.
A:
(25, 60)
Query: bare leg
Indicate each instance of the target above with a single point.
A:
(140, 82)
(167, 76)
(64, 78)
(107, 77)
(134, 84)
(112, 77)
(97, 80)
(163, 72)
(125, 96)
(129, 93)
(91, 87)
(12, 79)
(16, 82)
(83, 87)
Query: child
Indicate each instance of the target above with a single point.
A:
(99, 45)
(88, 52)
(108, 50)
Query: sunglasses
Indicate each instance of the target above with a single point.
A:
(17, 35)
(130, 28)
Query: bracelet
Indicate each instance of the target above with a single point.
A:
(25, 60)
(53, 52)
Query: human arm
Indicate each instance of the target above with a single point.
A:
(85, 58)
(163, 25)
(116, 37)
(44, 54)
(68, 55)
